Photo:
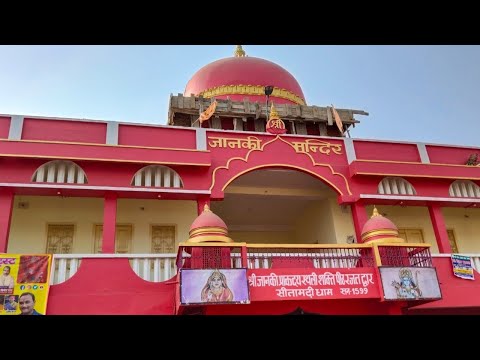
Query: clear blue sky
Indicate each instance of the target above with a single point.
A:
(413, 93)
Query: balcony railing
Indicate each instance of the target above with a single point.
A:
(161, 267)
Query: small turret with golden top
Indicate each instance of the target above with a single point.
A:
(379, 229)
(275, 125)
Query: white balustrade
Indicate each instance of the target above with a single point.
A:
(149, 267)
(161, 267)
(475, 259)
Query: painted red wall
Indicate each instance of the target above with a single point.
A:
(4, 126)
(156, 136)
(423, 186)
(103, 153)
(369, 150)
(100, 173)
(455, 291)
(19, 170)
(110, 287)
(67, 131)
(367, 168)
(118, 174)
(450, 155)
(362, 176)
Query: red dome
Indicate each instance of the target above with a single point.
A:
(379, 228)
(378, 222)
(208, 219)
(251, 72)
(208, 227)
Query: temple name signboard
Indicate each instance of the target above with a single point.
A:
(308, 284)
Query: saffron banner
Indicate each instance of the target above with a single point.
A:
(337, 118)
(207, 114)
(24, 283)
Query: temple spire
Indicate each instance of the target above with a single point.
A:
(239, 52)
(273, 113)
(375, 212)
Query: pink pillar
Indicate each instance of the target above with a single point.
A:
(360, 217)
(201, 201)
(439, 229)
(6, 206)
(109, 223)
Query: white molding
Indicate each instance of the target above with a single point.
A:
(201, 138)
(112, 133)
(16, 127)
(103, 256)
(418, 198)
(106, 188)
(422, 150)
(350, 150)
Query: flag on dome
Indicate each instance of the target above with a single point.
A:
(207, 114)
(338, 120)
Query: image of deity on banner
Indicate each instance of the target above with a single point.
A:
(410, 283)
(216, 289)
(33, 269)
(214, 286)
(407, 287)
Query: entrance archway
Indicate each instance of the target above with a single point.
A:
(281, 205)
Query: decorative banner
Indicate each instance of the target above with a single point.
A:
(410, 283)
(24, 284)
(305, 284)
(462, 267)
(214, 286)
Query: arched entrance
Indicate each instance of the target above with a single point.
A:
(282, 205)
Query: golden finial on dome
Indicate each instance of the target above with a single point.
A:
(275, 125)
(206, 208)
(239, 52)
(273, 113)
(375, 212)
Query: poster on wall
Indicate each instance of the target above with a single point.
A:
(213, 286)
(410, 283)
(462, 267)
(24, 284)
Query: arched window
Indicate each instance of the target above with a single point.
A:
(395, 186)
(60, 172)
(464, 188)
(157, 176)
